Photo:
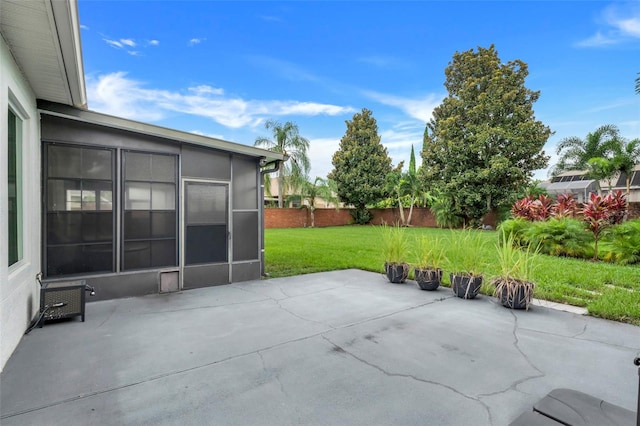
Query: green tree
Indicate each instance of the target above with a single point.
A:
(483, 142)
(312, 191)
(600, 168)
(360, 164)
(287, 141)
(626, 157)
(575, 153)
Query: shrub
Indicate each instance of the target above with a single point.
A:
(465, 252)
(559, 237)
(624, 243)
(394, 244)
(361, 216)
(566, 206)
(514, 228)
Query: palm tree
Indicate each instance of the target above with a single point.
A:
(287, 141)
(575, 153)
(320, 188)
(625, 159)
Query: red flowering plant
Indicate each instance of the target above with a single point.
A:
(617, 207)
(533, 209)
(602, 212)
(565, 206)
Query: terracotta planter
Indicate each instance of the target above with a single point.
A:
(466, 286)
(397, 273)
(428, 279)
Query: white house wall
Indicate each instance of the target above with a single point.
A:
(19, 291)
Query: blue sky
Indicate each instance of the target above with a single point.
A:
(223, 68)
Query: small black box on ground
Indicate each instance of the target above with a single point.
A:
(59, 300)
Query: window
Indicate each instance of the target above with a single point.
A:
(149, 219)
(14, 180)
(79, 210)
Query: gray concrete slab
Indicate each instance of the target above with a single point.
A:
(342, 347)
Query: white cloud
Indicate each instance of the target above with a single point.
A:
(418, 108)
(620, 23)
(113, 43)
(154, 42)
(195, 41)
(133, 52)
(118, 95)
(83, 27)
(320, 154)
(128, 42)
(209, 135)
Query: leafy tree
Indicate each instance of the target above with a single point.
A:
(412, 162)
(626, 157)
(360, 164)
(601, 169)
(575, 153)
(287, 141)
(483, 142)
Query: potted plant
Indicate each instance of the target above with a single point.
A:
(395, 247)
(513, 287)
(429, 255)
(465, 258)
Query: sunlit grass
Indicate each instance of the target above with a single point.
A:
(606, 290)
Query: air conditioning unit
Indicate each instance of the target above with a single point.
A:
(59, 300)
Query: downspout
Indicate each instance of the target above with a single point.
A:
(265, 169)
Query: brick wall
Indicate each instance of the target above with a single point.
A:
(299, 218)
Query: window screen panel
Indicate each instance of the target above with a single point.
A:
(206, 203)
(64, 195)
(206, 244)
(163, 196)
(97, 195)
(64, 161)
(64, 227)
(163, 168)
(137, 225)
(137, 166)
(76, 259)
(137, 196)
(245, 190)
(163, 253)
(97, 227)
(96, 164)
(245, 236)
(137, 255)
(163, 224)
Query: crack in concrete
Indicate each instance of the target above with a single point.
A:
(577, 337)
(410, 376)
(584, 330)
(277, 377)
(195, 308)
(216, 362)
(115, 308)
(515, 384)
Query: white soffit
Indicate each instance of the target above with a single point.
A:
(44, 38)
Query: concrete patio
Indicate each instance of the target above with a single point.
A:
(336, 348)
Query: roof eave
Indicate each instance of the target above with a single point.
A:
(92, 117)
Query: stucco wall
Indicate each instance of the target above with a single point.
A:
(19, 291)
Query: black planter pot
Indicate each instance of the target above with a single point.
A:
(428, 279)
(464, 286)
(515, 294)
(397, 272)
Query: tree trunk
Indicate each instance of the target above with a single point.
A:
(401, 212)
(413, 201)
(313, 216)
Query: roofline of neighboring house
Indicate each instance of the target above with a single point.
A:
(65, 15)
(92, 117)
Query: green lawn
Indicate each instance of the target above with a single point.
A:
(606, 290)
